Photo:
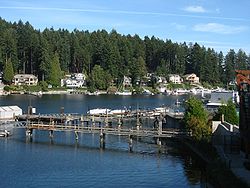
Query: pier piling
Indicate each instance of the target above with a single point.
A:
(76, 134)
(29, 132)
(51, 134)
(159, 145)
(130, 143)
(102, 140)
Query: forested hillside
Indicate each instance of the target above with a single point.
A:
(44, 53)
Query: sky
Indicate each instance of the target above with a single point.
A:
(218, 24)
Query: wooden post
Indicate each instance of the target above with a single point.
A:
(159, 144)
(76, 134)
(130, 143)
(93, 121)
(106, 119)
(102, 140)
(62, 111)
(137, 120)
(119, 124)
(29, 132)
(160, 128)
(51, 134)
(158, 141)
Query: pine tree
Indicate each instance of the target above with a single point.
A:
(221, 67)
(8, 72)
(55, 71)
(241, 60)
(230, 66)
(100, 79)
(44, 59)
(137, 68)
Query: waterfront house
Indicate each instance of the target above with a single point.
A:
(75, 80)
(192, 78)
(126, 82)
(161, 80)
(25, 79)
(175, 78)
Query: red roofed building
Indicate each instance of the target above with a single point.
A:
(243, 83)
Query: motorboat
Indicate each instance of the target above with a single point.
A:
(99, 111)
(4, 133)
(123, 93)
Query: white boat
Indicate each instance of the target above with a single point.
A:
(147, 92)
(123, 93)
(160, 110)
(118, 112)
(180, 91)
(99, 111)
(94, 93)
(38, 94)
(4, 133)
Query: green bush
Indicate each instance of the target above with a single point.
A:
(7, 88)
(12, 88)
(43, 85)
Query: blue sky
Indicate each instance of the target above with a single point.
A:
(222, 25)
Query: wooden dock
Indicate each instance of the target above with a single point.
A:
(102, 125)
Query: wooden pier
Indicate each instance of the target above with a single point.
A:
(102, 125)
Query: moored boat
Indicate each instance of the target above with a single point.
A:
(4, 133)
(124, 93)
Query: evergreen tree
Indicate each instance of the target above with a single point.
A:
(196, 120)
(210, 69)
(55, 71)
(10, 46)
(137, 69)
(44, 59)
(230, 66)
(229, 112)
(32, 51)
(241, 60)
(100, 79)
(64, 50)
(196, 60)
(163, 68)
(221, 67)
(8, 72)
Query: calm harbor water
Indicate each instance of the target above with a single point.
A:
(63, 162)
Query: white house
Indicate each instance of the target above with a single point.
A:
(161, 80)
(192, 78)
(175, 78)
(75, 80)
(126, 82)
(25, 79)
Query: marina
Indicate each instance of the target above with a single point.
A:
(54, 158)
(105, 122)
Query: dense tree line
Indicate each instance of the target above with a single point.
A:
(51, 53)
